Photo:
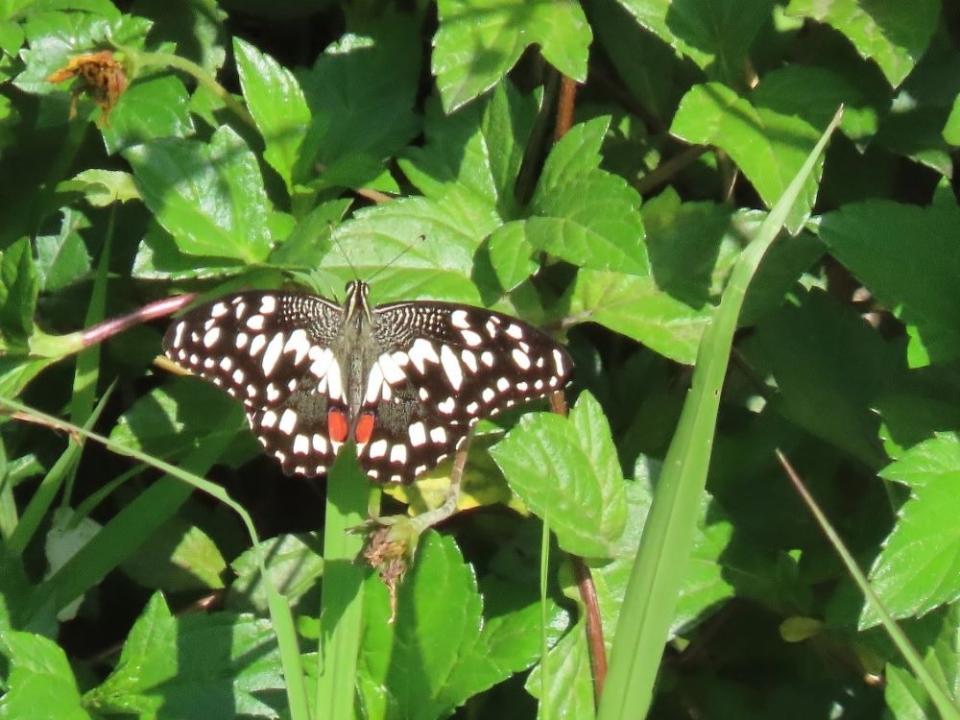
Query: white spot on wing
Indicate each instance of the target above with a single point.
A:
(374, 382)
(321, 363)
(514, 331)
(211, 337)
(459, 319)
(301, 445)
(241, 340)
(272, 353)
(451, 366)
(391, 371)
(238, 376)
(269, 419)
(378, 449)
(398, 454)
(219, 309)
(420, 351)
(255, 322)
(472, 408)
(288, 421)
(178, 333)
(226, 363)
(268, 303)
(486, 357)
(439, 436)
(447, 406)
(471, 338)
(488, 394)
(521, 359)
(257, 345)
(558, 361)
(334, 387)
(503, 384)
(319, 443)
(299, 343)
(418, 434)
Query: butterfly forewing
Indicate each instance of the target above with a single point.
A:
(271, 350)
(442, 367)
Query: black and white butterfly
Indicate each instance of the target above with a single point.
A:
(406, 381)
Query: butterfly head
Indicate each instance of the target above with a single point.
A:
(357, 304)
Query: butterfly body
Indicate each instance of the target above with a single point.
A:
(406, 381)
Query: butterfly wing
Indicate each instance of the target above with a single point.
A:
(441, 367)
(272, 351)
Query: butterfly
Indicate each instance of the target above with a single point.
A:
(406, 381)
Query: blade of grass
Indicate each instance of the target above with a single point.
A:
(341, 612)
(87, 370)
(8, 508)
(934, 689)
(667, 538)
(124, 533)
(546, 712)
(48, 488)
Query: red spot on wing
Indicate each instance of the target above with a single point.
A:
(337, 427)
(365, 427)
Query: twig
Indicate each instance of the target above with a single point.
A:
(664, 173)
(374, 196)
(595, 646)
(588, 593)
(565, 105)
(101, 331)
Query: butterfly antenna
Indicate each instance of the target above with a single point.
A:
(346, 257)
(399, 255)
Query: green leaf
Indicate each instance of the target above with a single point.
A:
(892, 34)
(636, 307)
(178, 557)
(767, 146)
(149, 110)
(294, 566)
(431, 251)
(917, 569)
(63, 258)
(159, 258)
(277, 104)
(829, 367)
(361, 93)
(41, 684)
(705, 583)
(583, 215)
(569, 684)
(101, 188)
(649, 69)
(19, 287)
(438, 625)
(199, 666)
(566, 469)
(907, 257)
(511, 254)
(185, 412)
(209, 197)
(309, 241)
(195, 26)
(951, 130)
(715, 34)
(478, 41)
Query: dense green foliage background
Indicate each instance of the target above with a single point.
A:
(439, 149)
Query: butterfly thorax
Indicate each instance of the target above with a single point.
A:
(355, 348)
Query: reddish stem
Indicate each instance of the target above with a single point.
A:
(108, 328)
(565, 104)
(598, 653)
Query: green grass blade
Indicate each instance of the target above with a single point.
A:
(138, 520)
(341, 613)
(668, 534)
(935, 690)
(48, 488)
